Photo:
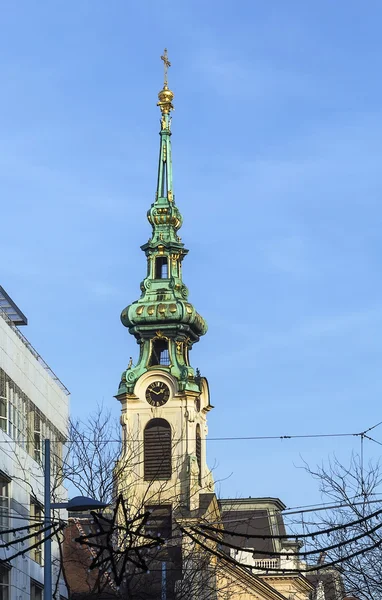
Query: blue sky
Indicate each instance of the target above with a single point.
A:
(277, 151)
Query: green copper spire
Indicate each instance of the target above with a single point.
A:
(163, 322)
(165, 163)
(164, 212)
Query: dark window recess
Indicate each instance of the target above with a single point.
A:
(159, 523)
(4, 505)
(4, 582)
(37, 591)
(159, 354)
(199, 452)
(161, 267)
(157, 450)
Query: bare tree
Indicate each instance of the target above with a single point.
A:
(354, 514)
(97, 462)
(185, 565)
(93, 449)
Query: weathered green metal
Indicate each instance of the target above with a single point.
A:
(163, 310)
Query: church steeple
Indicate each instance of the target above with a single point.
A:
(164, 187)
(163, 215)
(163, 322)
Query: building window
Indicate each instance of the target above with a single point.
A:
(4, 582)
(3, 401)
(159, 523)
(159, 353)
(13, 409)
(3, 413)
(37, 523)
(56, 458)
(157, 450)
(199, 452)
(22, 420)
(37, 446)
(161, 267)
(4, 505)
(37, 591)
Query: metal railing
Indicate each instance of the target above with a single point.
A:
(37, 356)
(266, 563)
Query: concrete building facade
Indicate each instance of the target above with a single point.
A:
(34, 405)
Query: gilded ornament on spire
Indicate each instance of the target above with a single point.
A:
(165, 95)
(166, 64)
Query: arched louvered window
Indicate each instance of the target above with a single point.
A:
(157, 450)
(198, 450)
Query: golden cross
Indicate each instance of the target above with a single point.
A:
(167, 64)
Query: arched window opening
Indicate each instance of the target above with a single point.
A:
(159, 352)
(157, 450)
(161, 267)
(186, 355)
(199, 452)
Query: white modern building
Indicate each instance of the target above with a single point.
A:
(34, 405)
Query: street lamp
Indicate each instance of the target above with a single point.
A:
(79, 503)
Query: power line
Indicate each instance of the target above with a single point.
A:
(272, 553)
(333, 506)
(322, 505)
(373, 440)
(287, 512)
(373, 427)
(208, 439)
(299, 510)
(281, 570)
(86, 441)
(36, 545)
(304, 535)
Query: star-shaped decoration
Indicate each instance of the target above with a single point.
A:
(119, 540)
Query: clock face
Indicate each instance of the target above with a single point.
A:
(157, 393)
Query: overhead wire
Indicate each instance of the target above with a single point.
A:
(297, 510)
(273, 553)
(36, 545)
(283, 570)
(86, 440)
(286, 513)
(305, 535)
(373, 440)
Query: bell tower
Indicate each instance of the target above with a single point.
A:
(164, 400)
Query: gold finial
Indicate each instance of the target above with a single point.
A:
(166, 64)
(165, 95)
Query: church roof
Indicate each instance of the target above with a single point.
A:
(252, 517)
